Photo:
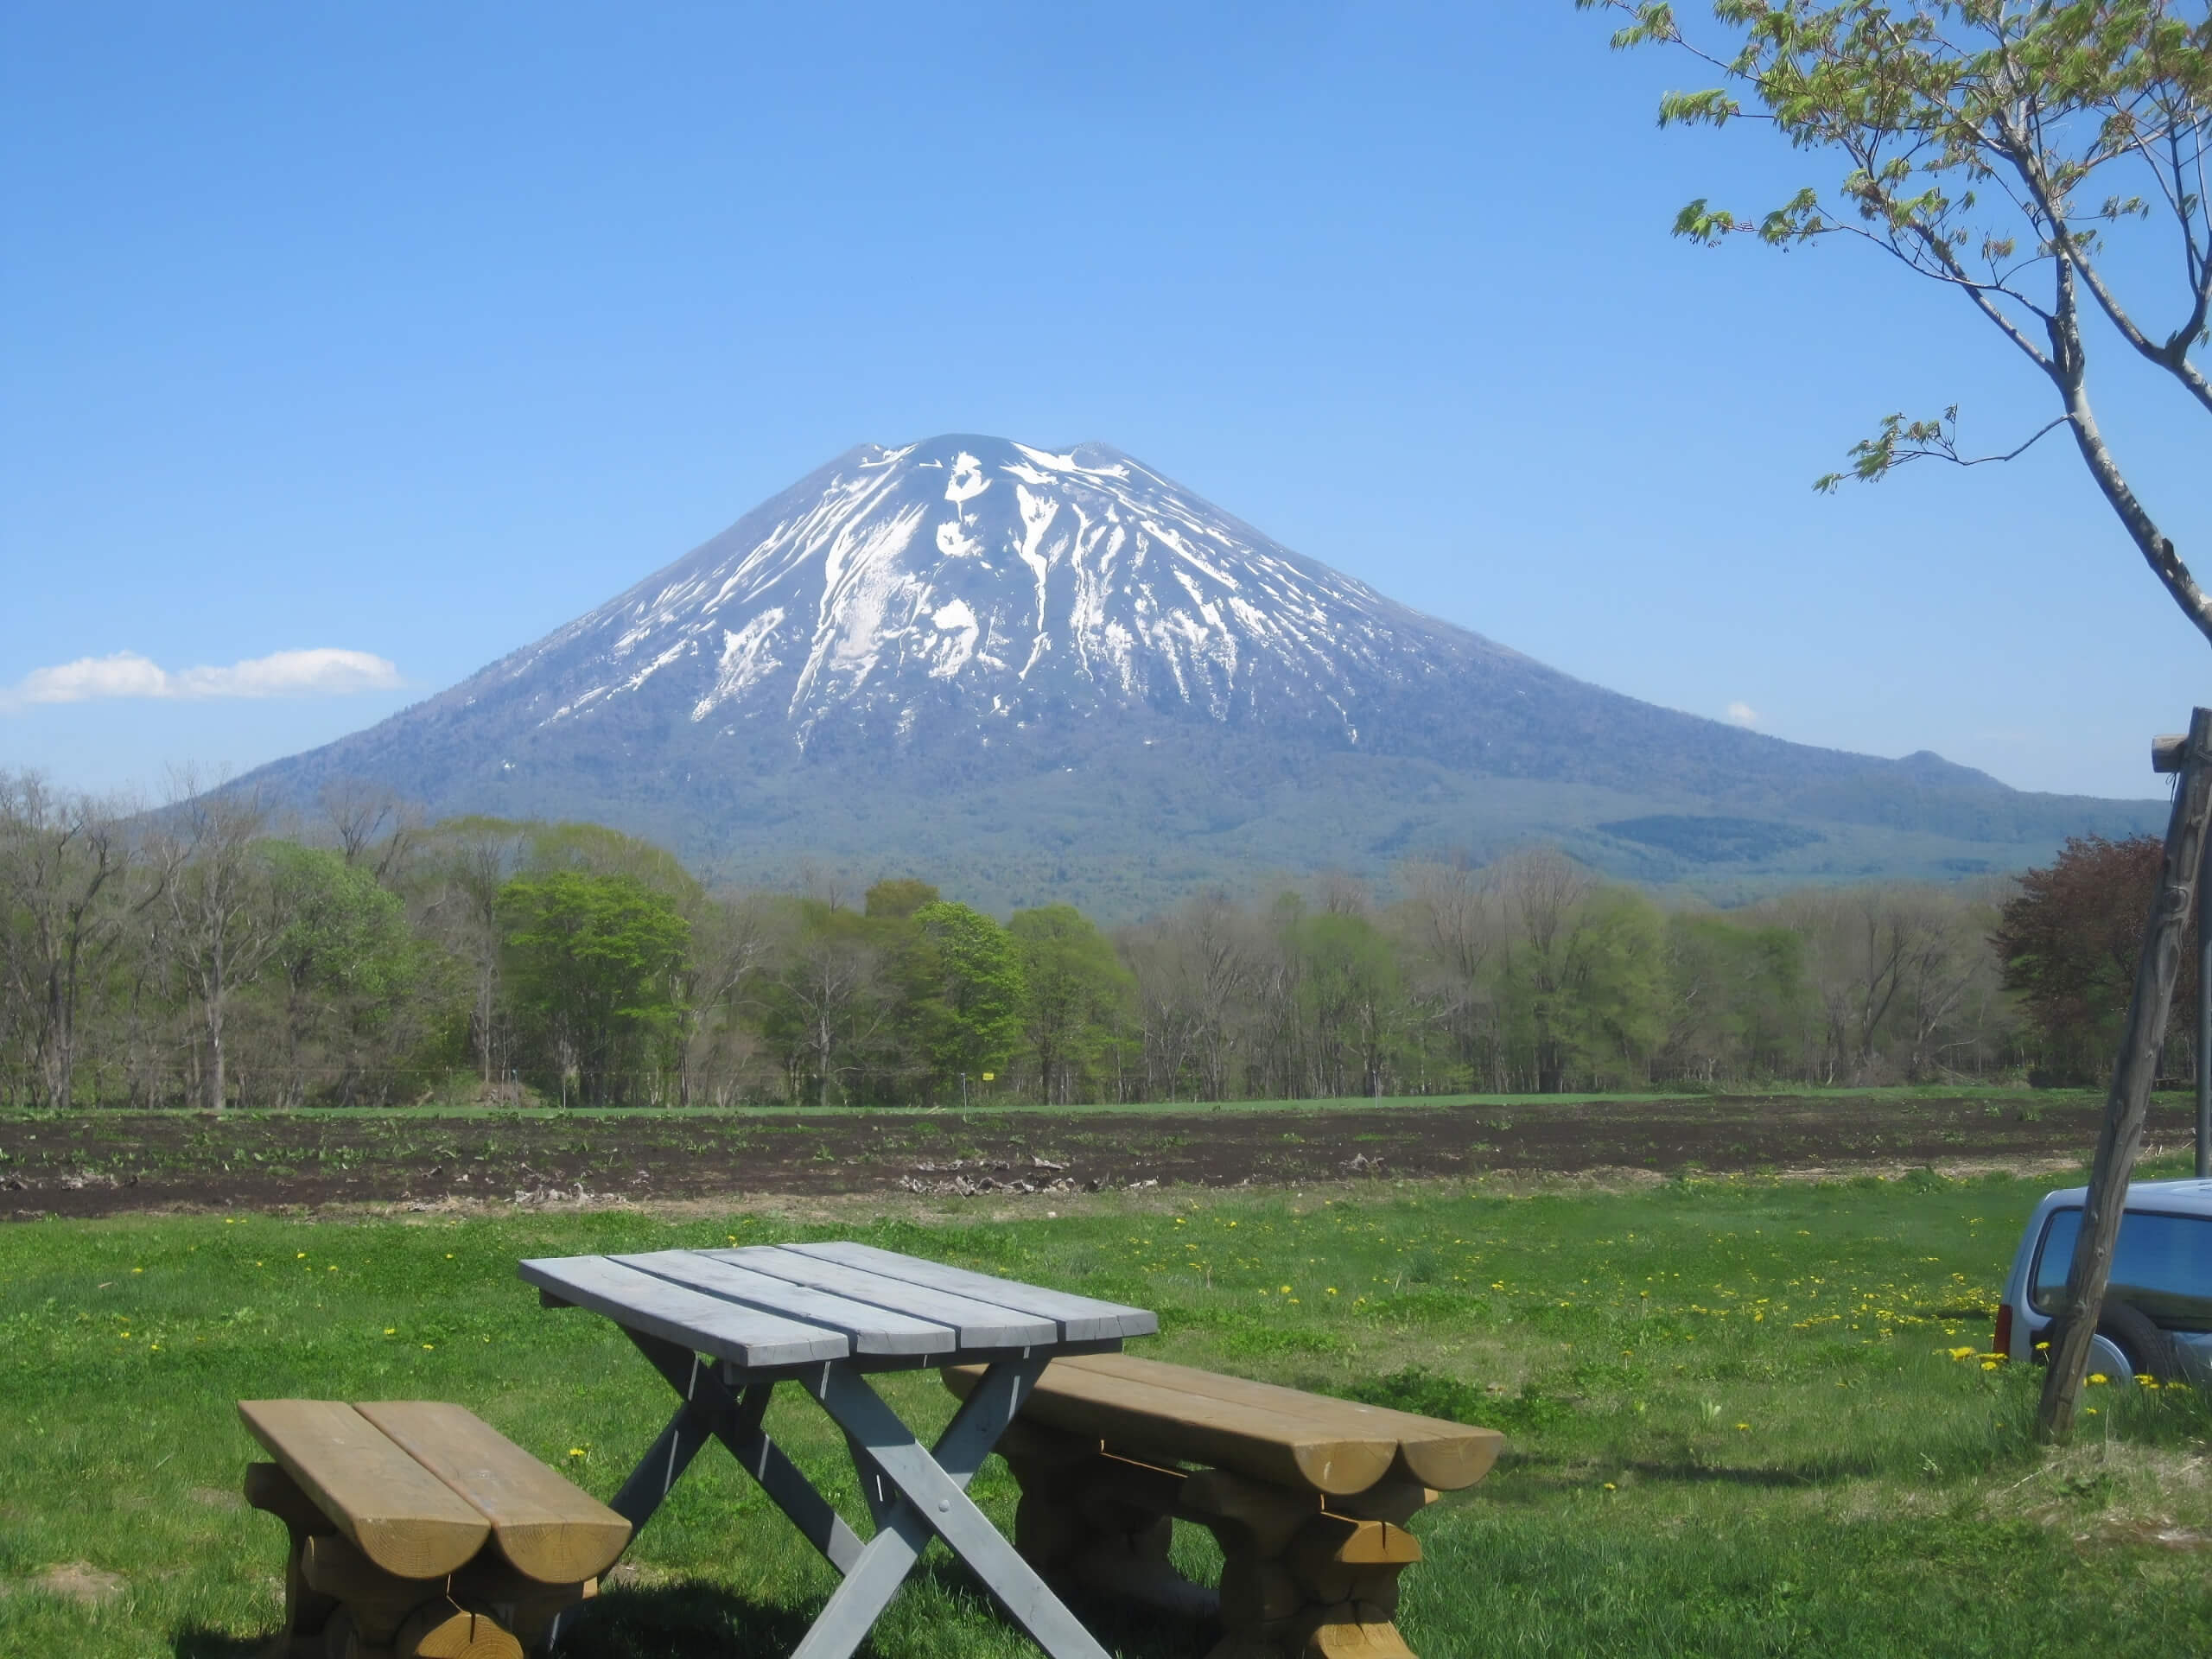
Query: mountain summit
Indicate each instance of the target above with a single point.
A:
(1034, 672)
(990, 584)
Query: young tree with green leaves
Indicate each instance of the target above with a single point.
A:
(345, 956)
(1078, 992)
(592, 961)
(1994, 148)
(970, 1012)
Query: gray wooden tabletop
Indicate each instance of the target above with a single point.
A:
(767, 1307)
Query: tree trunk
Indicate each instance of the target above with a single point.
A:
(2128, 1102)
(215, 1082)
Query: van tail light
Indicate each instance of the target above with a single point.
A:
(2003, 1343)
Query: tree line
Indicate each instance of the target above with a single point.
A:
(215, 953)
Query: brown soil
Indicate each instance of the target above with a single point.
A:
(109, 1163)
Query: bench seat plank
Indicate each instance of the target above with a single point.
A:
(1445, 1455)
(403, 1517)
(548, 1528)
(980, 1324)
(873, 1330)
(1144, 1418)
(744, 1336)
(1081, 1318)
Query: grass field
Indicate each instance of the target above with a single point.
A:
(1736, 1423)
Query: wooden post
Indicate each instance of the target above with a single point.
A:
(2128, 1102)
(2204, 1014)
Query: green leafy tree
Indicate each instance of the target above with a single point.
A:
(1992, 148)
(1735, 997)
(897, 898)
(592, 964)
(1078, 994)
(345, 957)
(602, 851)
(1350, 989)
(970, 1015)
(1579, 974)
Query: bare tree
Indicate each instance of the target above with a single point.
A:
(375, 825)
(1452, 923)
(827, 981)
(474, 859)
(731, 945)
(1165, 1013)
(1538, 893)
(217, 925)
(65, 864)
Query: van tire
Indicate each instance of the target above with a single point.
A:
(2150, 1351)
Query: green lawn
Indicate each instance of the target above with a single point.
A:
(1736, 1426)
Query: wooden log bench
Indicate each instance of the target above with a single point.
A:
(418, 1531)
(1308, 1497)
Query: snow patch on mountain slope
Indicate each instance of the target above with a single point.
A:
(1029, 581)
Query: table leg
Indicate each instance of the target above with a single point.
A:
(876, 1488)
(933, 1495)
(736, 1424)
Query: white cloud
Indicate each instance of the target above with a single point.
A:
(323, 672)
(1742, 714)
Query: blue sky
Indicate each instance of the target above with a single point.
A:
(403, 334)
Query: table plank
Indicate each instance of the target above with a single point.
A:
(549, 1528)
(744, 1336)
(980, 1324)
(402, 1516)
(1081, 1318)
(873, 1330)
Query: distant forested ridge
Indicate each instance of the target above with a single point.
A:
(216, 955)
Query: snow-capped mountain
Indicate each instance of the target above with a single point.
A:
(998, 581)
(1032, 672)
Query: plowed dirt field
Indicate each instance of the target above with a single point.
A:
(111, 1162)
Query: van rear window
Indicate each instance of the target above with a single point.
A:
(2163, 1265)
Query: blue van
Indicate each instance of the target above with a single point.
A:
(2156, 1319)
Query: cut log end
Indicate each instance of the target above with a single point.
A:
(445, 1630)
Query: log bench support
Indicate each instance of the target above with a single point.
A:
(340, 1604)
(1301, 1577)
(416, 1531)
(1308, 1497)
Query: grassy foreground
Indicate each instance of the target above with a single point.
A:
(1736, 1420)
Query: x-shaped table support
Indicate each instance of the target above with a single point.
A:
(912, 1491)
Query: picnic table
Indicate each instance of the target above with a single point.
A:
(725, 1327)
